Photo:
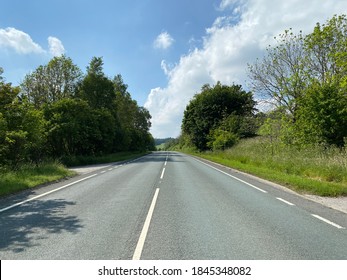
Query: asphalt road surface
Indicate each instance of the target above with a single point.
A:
(168, 206)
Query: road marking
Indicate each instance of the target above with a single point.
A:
(327, 221)
(285, 201)
(44, 194)
(162, 173)
(102, 172)
(167, 156)
(259, 189)
(143, 235)
(110, 169)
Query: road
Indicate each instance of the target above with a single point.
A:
(168, 205)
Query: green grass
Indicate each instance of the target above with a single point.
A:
(29, 176)
(313, 170)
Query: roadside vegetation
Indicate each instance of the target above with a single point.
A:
(61, 115)
(300, 140)
(88, 160)
(30, 175)
(309, 171)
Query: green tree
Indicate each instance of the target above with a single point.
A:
(52, 82)
(327, 51)
(134, 120)
(323, 115)
(72, 128)
(3, 146)
(307, 77)
(21, 127)
(96, 88)
(207, 110)
(280, 78)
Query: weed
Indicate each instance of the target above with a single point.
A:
(316, 170)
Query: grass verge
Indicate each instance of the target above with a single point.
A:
(29, 176)
(315, 171)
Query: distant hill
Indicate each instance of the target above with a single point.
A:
(162, 141)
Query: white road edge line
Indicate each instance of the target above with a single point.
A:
(285, 201)
(143, 235)
(162, 173)
(327, 221)
(259, 189)
(44, 194)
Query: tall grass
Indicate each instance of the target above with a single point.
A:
(317, 170)
(31, 175)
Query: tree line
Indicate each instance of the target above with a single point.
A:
(303, 78)
(58, 111)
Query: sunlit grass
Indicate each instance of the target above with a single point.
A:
(31, 175)
(314, 170)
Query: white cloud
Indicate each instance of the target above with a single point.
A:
(21, 42)
(56, 47)
(163, 41)
(228, 47)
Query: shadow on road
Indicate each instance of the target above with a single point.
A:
(24, 226)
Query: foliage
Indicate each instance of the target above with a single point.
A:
(21, 128)
(72, 128)
(327, 51)
(58, 113)
(302, 140)
(211, 110)
(221, 139)
(306, 76)
(279, 77)
(323, 115)
(30, 175)
(316, 169)
(52, 82)
(96, 88)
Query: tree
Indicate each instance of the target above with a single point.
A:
(326, 47)
(52, 82)
(96, 88)
(21, 127)
(72, 128)
(7, 92)
(134, 120)
(3, 146)
(207, 110)
(23, 135)
(323, 115)
(307, 77)
(280, 76)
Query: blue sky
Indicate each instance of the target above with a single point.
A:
(122, 32)
(164, 49)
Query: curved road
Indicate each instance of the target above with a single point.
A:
(168, 206)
